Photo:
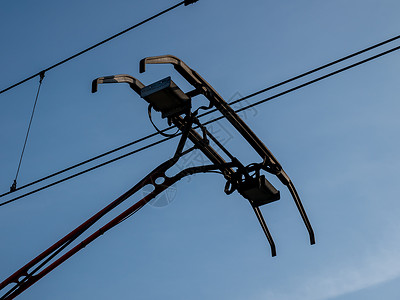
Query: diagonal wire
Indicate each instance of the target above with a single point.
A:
(311, 71)
(14, 185)
(213, 120)
(186, 2)
(86, 171)
(305, 84)
(211, 111)
(319, 79)
(83, 163)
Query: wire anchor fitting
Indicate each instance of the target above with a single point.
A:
(187, 2)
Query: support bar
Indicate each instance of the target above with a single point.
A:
(271, 164)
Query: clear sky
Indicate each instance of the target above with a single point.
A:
(338, 140)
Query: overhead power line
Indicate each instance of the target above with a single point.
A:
(313, 71)
(82, 163)
(211, 111)
(87, 170)
(206, 123)
(186, 2)
(320, 78)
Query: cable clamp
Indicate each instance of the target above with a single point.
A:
(13, 187)
(41, 74)
(187, 2)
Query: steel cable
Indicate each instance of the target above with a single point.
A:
(206, 123)
(96, 45)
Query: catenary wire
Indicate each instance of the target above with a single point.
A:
(83, 162)
(210, 121)
(209, 112)
(310, 72)
(86, 171)
(319, 78)
(306, 83)
(186, 2)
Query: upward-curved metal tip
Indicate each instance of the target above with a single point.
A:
(94, 85)
(142, 65)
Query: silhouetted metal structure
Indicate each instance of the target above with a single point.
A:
(175, 105)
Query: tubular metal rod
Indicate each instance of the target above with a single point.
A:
(265, 229)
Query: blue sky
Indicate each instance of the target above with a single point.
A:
(337, 140)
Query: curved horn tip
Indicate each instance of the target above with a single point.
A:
(273, 251)
(312, 239)
(142, 65)
(94, 86)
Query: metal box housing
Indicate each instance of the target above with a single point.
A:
(166, 97)
(259, 191)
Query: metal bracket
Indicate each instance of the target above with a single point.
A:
(271, 164)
